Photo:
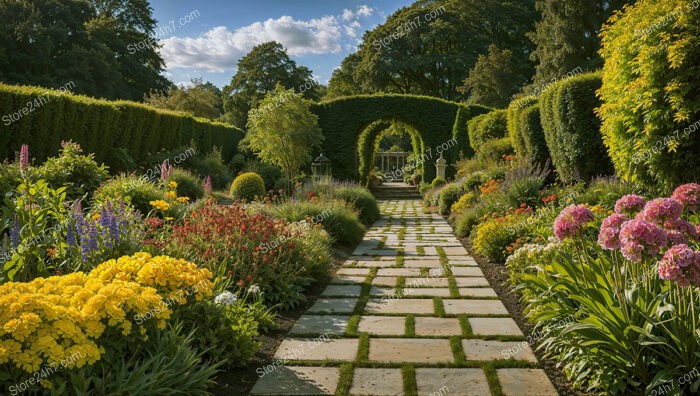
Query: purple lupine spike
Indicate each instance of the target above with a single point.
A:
(207, 185)
(70, 235)
(92, 238)
(24, 157)
(15, 237)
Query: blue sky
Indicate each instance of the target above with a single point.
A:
(206, 38)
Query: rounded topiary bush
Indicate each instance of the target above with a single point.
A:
(438, 182)
(362, 200)
(572, 129)
(487, 127)
(448, 196)
(650, 107)
(248, 186)
(135, 191)
(496, 149)
(188, 184)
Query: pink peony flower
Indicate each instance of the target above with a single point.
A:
(24, 157)
(660, 210)
(688, 195)
(609, 236)
(571, 220)
(680, 264)
(629, 204)
(640, 236)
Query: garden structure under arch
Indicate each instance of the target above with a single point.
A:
(441, 127)
(369, 140)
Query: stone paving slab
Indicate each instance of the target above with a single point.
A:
(477, 292)
(334, 306)
(426, 291)
(476, 349)
(317, 349)
(494, 326)
(452, 381)
(475, 307)
(398, 272)
(410, 350)
(467, 271)
(292, 381)
(342, 291)
(320, 324)
(352, 280)
(377, 382)
(437, 326)
(384, 281)
(383, 325)
(401, 305)
(471, 282)
(354, 271)
(525, 382)
(427, 282)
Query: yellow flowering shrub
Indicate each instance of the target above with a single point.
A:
(463, 203)
(48, 319)
(170, 276)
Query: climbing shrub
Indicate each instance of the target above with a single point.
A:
(650, 108)
(486, 127)
(572, 129)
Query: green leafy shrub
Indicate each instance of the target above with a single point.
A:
(77, 172)
(362, 200)
(448, 196)
(492, 237)
(606, 192)
(487, 127)
(514, 115)
(464, 202)
(438, 182)
(212, 165)
(496, 149)
(650, 108)
(188, 184)
(468, 219)
(338, 218)
(423, 188)
(248, 186)
(10, 178)
(134, 190)
(530, 128)
(572, 129)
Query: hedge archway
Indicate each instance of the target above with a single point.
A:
(437, 122)
(370, 137)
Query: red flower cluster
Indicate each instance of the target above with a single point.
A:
(549, 199)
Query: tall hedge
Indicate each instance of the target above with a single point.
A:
(487, 127)
(514, 113)
(461, 128)
(572, 129)
(530, 129)
(42, 118)
(344, 120)
(651, 109)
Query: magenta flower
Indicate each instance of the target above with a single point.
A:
(680, 264)
(688, 195)
(24, 157)
(640, 236)
(630, 205)
(687, 230)
(571, 220)
(609, 236)
(207, 185)
(661, 210)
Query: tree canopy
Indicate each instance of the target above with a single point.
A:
(494, 79)
(258, 73)
(200, 99)
(104, 47)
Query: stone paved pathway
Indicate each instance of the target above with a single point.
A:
(410, 313)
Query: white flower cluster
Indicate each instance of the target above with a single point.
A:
(225, 298)
(533, 249)
(254, 289)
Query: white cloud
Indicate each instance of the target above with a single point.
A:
(219, 48)
(362, 11)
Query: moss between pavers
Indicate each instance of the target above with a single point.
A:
(490, 370)
(439, 307)
(345, 381)
(409, 380)
(410, 326)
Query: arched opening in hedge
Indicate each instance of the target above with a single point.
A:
(438, 123)
(367, 147)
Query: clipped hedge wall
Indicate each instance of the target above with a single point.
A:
(572, 129)
(530, 130)
(651, 109)
(43, 118)
(344, 120)
(514, 115)
(461, 127)
(487, 127)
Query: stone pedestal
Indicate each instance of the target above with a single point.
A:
(441, 165)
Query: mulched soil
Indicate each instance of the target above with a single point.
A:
(241, 380)
(497, 275)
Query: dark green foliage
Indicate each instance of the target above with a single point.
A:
(79, 173)
(101, 126)
(248, 186)
(9, 178)
(438, 182)
(514, 111)
(211, 165)
(343, 120)
(132, 189)
(496, 149)
(99, 48)
(487, 127)
(188, 184)
(572, 129)
(460, 130)
(495, 78)
(530, 129)
(449, 195)
(568, 37)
